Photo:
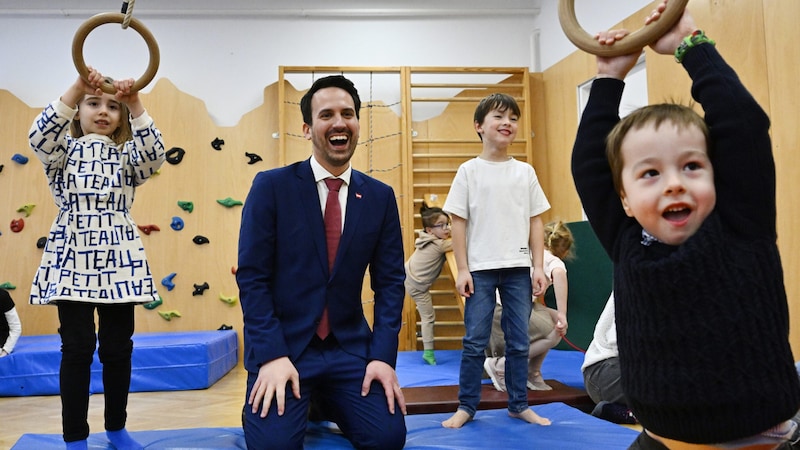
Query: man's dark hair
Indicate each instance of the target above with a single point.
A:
(338, 81)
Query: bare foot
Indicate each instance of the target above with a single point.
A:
(458, 419)
(529, 416)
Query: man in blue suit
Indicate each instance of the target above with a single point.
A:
(287, 288)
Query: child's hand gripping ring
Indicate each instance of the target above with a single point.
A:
(104, 18)
(636, 40)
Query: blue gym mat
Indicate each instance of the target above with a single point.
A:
(493, 429)
(412, 371)
(169, 361)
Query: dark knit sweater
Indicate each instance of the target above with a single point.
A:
(702, 327)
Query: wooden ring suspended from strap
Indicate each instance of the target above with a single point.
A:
(631, 43)
(104, 18)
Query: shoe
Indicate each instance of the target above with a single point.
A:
(498, 376)
(429, 357)
(536, 382)
(614, 412)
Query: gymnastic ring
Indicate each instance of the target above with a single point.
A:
(631, 43)
(104, 18)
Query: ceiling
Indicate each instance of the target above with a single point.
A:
(310, 8)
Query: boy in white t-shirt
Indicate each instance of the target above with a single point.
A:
(495, 204)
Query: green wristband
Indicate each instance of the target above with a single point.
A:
(696, 38)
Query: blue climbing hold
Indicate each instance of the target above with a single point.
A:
(167, 281)
(177, 223)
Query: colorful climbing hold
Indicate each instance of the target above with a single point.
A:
(167, 281)
(154, 304)
(217, 144)
(175, 155)
(7, 286)
(177, 223)
(229, 300)
(20, 159)
(147, 229)
(17, 225)
(200, 240)
(168, 315)
(229, 202)
(186, 206)
(26, 209)
(41, 242)
(199, 289)
(253, 158)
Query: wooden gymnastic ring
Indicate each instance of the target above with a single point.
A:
(104, 18)
(631, 43)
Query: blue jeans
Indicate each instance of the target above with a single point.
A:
(515, 290)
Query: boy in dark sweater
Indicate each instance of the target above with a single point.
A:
(685, 207)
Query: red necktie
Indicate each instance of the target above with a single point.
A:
(333, 230)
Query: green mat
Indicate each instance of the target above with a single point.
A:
(589, 276)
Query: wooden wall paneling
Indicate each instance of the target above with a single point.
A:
(780, 18)
(22, 184)
(538, 136)
(560, 124)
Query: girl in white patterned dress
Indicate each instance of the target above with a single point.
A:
(94, 258)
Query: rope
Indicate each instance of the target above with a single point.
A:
(573, 345)
(127, 9)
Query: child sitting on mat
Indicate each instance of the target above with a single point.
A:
(424, 267)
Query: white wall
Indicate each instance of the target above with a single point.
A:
(227, 62)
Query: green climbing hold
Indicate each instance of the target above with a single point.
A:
(154, 304)
(229, 202)
(7, 286)
(186, 206)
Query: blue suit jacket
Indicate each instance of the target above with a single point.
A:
(283, 276)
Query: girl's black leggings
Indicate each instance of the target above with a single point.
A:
(78, 342)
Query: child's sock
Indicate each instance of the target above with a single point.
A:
(121, 440)
(78, 445)
(427, 355)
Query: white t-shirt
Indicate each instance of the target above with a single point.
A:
(497, 199)
(604, 340)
